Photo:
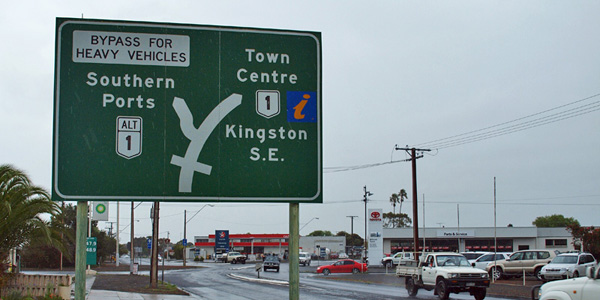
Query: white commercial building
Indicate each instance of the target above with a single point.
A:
(314, 244)
(507, 239)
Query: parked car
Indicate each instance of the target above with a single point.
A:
(528, 261)
(395, 259)
(304, 258)
(343, 266)
(343, 255)
(482, 261)
(472, 255)
(582, 288)
(271, 262)
(234, 258)
(567, 265)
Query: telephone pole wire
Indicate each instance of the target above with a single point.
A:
(413, 156)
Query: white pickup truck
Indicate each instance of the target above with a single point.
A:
(581, 288)
(445, 273)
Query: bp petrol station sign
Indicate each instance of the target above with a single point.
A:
(169, 112)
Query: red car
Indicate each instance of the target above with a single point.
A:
(343, 266)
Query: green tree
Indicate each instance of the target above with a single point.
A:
(38, 254)
(64, 227)
(22, 206)
(392, 220)
(398, 198)
(351, 240)
(178, 250)
(585, 238)
(554, 221)
(106, 245)
(321, 233)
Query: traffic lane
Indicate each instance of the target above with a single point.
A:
(340, 282)
(515, 288)
(512, 289)
(370, 285)
(309, 288)
(310, 279)
(215, 282)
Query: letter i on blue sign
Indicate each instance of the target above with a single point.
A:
(302, 107)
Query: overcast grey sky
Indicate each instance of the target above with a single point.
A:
(394, 72)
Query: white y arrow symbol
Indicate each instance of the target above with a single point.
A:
(198, 137)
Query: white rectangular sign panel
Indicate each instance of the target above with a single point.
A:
(100, 211)
(375, 236)
(454, 233)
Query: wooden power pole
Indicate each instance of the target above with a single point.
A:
(413, 155)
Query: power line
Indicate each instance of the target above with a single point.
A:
(515, 128)
(502, 129)
(357, 167)
(516, 203)
(495, 130)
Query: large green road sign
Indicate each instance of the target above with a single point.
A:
(170, 112)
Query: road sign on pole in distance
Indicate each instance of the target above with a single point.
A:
(172, 112)
(91, 250)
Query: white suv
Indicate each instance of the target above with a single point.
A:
(567, 265)
(582, 288)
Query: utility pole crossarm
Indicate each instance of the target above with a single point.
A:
(411, 149)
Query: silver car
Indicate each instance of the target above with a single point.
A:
(567, 265)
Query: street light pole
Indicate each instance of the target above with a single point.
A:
(185, 221)
(132, 248)
(184, 235)
(367, 193)
(117, 242)
(315, 218)
(351, 230)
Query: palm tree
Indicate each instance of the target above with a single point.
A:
(398, 198)
(402, 195)
(394, 199)
(21, 207)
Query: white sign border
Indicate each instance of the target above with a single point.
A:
(318, 192)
